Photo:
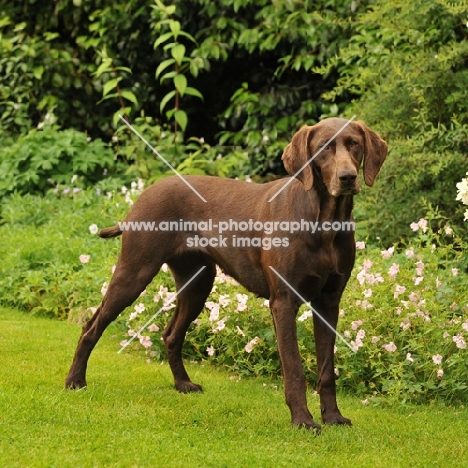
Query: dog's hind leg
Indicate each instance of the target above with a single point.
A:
(190, 303)
(129, 280)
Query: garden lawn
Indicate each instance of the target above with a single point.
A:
(131, 416)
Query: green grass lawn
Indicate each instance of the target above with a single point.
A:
(130, 416)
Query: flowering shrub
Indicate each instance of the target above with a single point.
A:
(463, 193)
(404, 314)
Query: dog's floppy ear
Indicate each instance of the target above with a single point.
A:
(296, 155)
(375, 152)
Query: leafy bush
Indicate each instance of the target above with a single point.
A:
(145, 58)
(406, 66)
(44, 159)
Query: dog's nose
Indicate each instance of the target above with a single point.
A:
(347, 176)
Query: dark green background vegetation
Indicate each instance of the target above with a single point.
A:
(219, 87)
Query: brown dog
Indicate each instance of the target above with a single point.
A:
(316, 265)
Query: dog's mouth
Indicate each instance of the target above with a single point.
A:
(346, 191)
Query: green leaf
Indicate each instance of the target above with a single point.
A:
(104, 67)
(178, 52)
(162, 39)
(163, 65)
(110, 85)
(165, 100)
(181, 118)
(129, 96)
(193, 92)
(180, 82)
(175, 28)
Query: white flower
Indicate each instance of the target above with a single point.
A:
(307, 314)
(390, 347)
(210, 350)
(93, 229)
(250, 345)
(437, 359)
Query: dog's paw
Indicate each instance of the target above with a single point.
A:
(337, 420)
(188, 386)
(310, 426)
(75, 384)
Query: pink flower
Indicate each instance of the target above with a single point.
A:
(387, 253)
(164, 267)
(139, 308)
(250, 345)
(242, 302)
(367, 264)
(337, 372)
(454, 271)
(398, 290)
(419, 268)
(367, 293)
(409, 358)
(360, 245)
(104, 288)
(418, 280)
(405, 324)
(410, 252)
(153, 328)
(266, 303)
(84, 258)
(375, 339)
(356, 324)
(465, 325)
(93, 229)
(214, 314)
(421, 224)
(220, 326)
(224, 299)
(438, 283)
(146, 341)
(437, 359)
(413, 297)
(393, 270)
(440, 373)
(459, 341)
(365, 402)
(210, 350)
(390, 347)
(448, 230)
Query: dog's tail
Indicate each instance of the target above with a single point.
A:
(113, 231)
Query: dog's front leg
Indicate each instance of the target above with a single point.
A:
(324, 343)
(284, 316)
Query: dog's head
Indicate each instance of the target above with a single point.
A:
(334, 154)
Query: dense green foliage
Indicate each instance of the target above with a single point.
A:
(220, 87)
(407, 65)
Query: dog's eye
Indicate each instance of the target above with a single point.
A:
(353, 143)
